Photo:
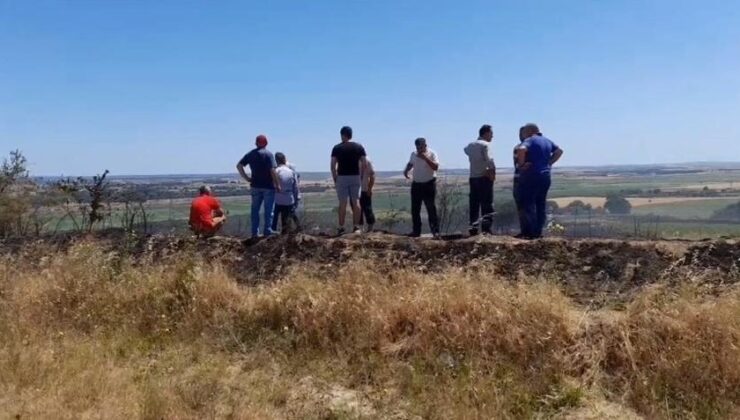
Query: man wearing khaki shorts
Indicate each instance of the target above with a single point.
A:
(348, 160)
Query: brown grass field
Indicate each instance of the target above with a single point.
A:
(369, 328)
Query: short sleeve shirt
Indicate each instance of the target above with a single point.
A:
(201, 211)
(348, 155)
(261, 162)
(422, 172)
(539, 152)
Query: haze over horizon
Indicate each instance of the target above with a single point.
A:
(184, 87)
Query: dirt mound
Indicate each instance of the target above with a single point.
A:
(591, 271)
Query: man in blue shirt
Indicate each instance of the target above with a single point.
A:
(264, 183)
(535, 157)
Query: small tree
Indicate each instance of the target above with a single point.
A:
(553, 207)
(449, 206)
(16, 194)
(576, 206)
(12, 170)
(617, 204)
(89, 195)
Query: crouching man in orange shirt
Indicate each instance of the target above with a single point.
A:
(206, 215)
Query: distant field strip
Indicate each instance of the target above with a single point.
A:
(646, 201)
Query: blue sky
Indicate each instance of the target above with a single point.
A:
(147, 87)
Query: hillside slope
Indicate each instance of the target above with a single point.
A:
(372, 326)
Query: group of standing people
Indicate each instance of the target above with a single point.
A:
(275, 186)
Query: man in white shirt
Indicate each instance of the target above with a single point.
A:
(482, 176)
(424, 164)
(366, 195)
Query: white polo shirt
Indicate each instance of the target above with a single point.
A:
(422, 172)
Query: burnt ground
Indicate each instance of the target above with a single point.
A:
(594, 272)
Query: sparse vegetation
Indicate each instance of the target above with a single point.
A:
(87, 330)
(617, 204)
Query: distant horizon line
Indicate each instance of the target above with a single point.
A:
(694, 164)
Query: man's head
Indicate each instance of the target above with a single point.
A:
(280, 158)
(530, 129)
(522, 137)
(261, 141)
(204, 190)
(486, 132)
(346, 133)
(421, 145)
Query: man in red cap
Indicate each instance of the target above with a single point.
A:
(263, 182)
(206, 215)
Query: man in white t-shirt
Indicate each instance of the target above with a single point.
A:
(366, 195)
(424, 164)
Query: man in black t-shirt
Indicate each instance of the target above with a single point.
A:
(347, 165)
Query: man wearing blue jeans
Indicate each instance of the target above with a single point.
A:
(535, 157)
(263, 182)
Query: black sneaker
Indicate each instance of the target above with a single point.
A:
(473, 231)
(340, 231)
(414, 235)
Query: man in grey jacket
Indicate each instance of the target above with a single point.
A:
(482, 175)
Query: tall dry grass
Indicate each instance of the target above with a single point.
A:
(88, 334)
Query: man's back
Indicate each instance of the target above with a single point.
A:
(201, 210)
(539, 152)
(478, 157)
(348, 155)
(261, 162)
(288, 186)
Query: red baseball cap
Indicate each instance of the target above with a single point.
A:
(261, 141)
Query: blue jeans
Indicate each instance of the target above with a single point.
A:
(533, 198)
(259, 196)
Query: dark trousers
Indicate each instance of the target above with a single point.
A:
(424, 192)
(533, 195)
(481, 203)
(286, 214)
(366, 209)
(519, 207)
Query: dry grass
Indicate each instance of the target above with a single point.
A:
(86, 334)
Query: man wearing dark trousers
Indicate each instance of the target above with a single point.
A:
(482, 176)
(516, 191)
(535, 157)
(366, 196)
(424, 164)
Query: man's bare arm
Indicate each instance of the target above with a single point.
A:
(334, 168)
(432, 164)
(406, 171)
(521, 157)
(556, 155)
(275, 180)
(370, 183)
(491, 172)
(240, 169)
